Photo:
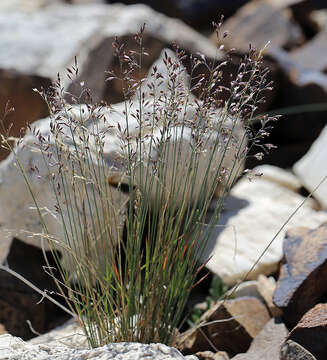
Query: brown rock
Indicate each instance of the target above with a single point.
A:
(229, 325)
(266, 287)
(18, 302)
(266, 345)
(311, 331)
(209, 355)
(260, 21)
(302, 283)
(16, 89)
(291, 350)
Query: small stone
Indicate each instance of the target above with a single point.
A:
(301, 283)
(246, 288)
(266, 287)
(209, 355)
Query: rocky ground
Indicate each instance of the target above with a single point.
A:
(278, 309)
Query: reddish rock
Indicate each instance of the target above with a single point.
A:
(311, 331)
(302, 282)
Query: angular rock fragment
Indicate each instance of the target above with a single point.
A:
(266, 345)
(302, 281)
(254, 213)
(311, 332)
(229, 325)
(209, 355)
(291, 350)
(260, 21)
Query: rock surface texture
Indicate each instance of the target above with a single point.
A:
(254, 213)
(301, 283)
(311, 331)
(12, 348)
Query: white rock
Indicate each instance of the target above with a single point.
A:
(37, 42)
(254, 212)
(13, 348)
(312, 168)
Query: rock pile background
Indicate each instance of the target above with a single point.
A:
(281, 313)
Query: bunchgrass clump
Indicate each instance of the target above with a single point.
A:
(132, 186)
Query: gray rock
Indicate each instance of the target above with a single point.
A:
(12, 348)
(301, 283)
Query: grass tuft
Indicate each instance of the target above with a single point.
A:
(132, 185)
